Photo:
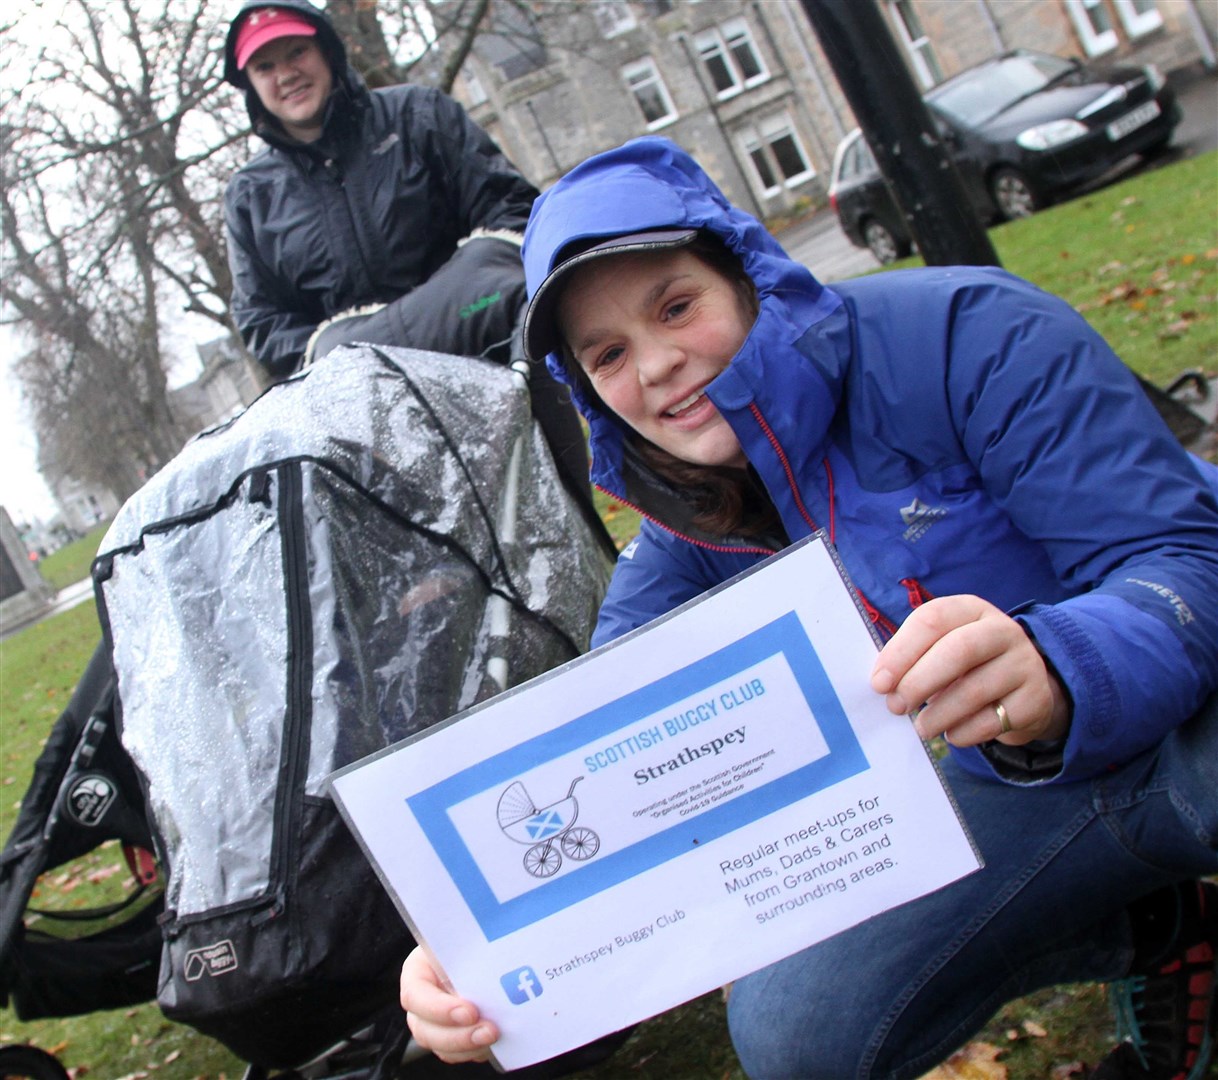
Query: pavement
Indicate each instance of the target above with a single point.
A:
(67, 597)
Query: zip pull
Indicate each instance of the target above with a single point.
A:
(917, 592)
(260, 488)
(267, 914)
(881, 622)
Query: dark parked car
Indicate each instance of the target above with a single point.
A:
(1024, 129)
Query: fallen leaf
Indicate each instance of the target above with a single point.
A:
(1188, 260)
(1064, 1072)
(1012, 1034)
(1175, 330)
(171, 1058)
(58, 1048)
(1034, 1029)
(976, 1061)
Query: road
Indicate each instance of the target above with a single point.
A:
(822, 247)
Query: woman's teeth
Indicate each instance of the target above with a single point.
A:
(681, 406)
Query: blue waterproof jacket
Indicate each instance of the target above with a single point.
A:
(954, 430)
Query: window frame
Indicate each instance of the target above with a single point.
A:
(613, 17)
(1138, 23)
(1095, 42)
(654, 78)
(761, 137)
(721, 43)
(918, 46)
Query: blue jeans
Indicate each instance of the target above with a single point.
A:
(896, 995)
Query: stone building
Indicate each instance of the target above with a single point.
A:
(743, 84)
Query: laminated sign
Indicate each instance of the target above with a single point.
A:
(697, 800)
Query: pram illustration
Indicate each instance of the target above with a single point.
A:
(542, 828)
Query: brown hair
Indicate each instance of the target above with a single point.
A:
(728, 501)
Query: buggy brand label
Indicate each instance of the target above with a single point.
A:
(88, 799)
(215, 960)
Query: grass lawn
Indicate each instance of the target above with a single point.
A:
(71, 562)
(1139, 259)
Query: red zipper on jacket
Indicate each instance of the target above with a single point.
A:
(881, 621)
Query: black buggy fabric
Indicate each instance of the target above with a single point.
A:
(84, 792)
(374, 545)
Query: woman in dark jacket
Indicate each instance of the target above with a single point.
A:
(386, 197)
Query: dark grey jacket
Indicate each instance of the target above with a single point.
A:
(365, 214)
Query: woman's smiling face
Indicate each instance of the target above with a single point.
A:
(651, 329)
(292, 79)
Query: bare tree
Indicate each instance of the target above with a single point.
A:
(117, 138)
(113, 147)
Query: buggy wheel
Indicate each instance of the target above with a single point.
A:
(580, 843)
(29, 1063)
(542, 860)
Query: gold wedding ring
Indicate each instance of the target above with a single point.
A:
(1004, 721)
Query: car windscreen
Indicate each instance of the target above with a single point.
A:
(978, 96)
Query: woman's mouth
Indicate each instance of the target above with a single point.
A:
(686, 404)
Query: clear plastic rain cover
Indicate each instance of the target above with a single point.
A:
(371, 547)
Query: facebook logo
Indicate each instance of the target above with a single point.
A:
(521, 985)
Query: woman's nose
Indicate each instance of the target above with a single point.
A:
(657, 361)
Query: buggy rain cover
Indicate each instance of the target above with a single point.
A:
(371, 547)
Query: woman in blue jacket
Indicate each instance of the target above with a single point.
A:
(1037, 553)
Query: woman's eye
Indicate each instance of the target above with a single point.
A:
(602, 360)
(676, 309)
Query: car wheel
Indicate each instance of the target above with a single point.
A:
(884, 245)
(1014, 194)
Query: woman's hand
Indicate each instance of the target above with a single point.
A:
(955, 660)
(440, 1021)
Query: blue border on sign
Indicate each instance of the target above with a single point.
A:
(784, 636)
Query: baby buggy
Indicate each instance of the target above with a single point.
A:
(541, 829)
(374, 545)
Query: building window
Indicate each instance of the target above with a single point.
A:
(917, 44)
(657, 7)
(777, 155)
(643, 78)
(731, 57)
(613, 17)
(513, 43)
(1139, 16)
(1094, 27)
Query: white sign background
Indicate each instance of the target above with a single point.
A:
(708, 857)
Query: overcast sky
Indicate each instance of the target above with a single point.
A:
(22, 490)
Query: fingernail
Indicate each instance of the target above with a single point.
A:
(482, 1036)
(463, 1015)
(896, 704)
(881, 680)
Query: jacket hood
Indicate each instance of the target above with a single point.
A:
(648, 184)
(349, 89)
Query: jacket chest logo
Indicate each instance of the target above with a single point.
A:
(918, 518)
